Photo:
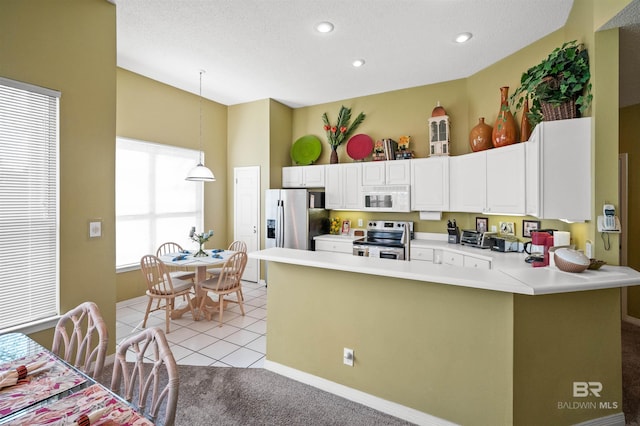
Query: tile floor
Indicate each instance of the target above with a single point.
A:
(240, 342)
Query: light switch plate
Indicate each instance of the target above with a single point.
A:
(95, 229)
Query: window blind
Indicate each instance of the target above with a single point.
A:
(28, 203)
(154, 202)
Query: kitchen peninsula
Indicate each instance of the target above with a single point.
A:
(440, 344)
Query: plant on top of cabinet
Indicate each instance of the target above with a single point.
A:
(340, 132)
(558, 87)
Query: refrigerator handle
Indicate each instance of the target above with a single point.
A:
(279, 225)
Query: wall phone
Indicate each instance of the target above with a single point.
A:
(608, 222)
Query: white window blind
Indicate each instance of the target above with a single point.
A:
(154, 202)
(28, 204)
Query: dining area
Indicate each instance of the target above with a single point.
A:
(60, 386)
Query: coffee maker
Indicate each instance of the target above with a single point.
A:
(538, 247)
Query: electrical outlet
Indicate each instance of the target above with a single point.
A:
(359, 223)
(347, 357)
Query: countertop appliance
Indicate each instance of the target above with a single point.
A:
(505, 244)
(478, 239)
(385, 239)
(294, 217)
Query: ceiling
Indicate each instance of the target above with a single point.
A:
(258, 49)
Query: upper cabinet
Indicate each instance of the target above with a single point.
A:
(343, 189)
(430, 184)
(303, 176)
(395, 172)
(559, 170)
(491, 181)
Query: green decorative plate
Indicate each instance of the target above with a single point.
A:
(306, 150)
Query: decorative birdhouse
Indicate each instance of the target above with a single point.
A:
(439, 137)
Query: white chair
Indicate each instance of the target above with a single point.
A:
(138, 375)
(163, 288)
(81, 338)
(228, 281)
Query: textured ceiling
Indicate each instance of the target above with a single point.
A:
(257, 49)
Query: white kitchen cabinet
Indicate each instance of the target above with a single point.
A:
(343, 186)
(430, 184)
(506, 180)
(451, 258)
(474, 262)
(558, 178)
(421, 253)
(335, 246)
(303, 176)
(394, 172)
(491, 181)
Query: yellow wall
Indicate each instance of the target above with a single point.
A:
(154, 112)
(70, 46)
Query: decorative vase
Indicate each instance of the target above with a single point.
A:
(201, 252)
(505, 131)
(334, 155)
(480, 136)
(525, 125)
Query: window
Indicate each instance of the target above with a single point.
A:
(28, 204)
(154, 203)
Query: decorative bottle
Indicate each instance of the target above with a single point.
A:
(480, 136)
(525, 125)
(505, 131)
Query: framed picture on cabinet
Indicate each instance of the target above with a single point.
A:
(529, 226)
(482, 224)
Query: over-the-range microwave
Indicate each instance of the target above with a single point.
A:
(386, 198)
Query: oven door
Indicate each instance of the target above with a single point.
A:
(386, 252)
(360, 250)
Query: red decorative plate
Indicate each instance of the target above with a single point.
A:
(359, 146)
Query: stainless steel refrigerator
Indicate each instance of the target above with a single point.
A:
(294, 217)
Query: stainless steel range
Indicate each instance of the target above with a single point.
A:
(385, 239)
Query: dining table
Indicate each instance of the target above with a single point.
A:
(187, 259)
(37, 388)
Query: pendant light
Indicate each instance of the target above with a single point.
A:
(200, 173)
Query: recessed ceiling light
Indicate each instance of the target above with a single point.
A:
(463, 37)
(358, 63)
(324, 27)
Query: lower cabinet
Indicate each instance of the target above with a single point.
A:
(335, 246)
(448, 257)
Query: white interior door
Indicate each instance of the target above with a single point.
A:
(246, 207)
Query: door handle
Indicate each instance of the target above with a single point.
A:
(255, 230)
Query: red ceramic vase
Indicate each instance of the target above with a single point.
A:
(505, 131)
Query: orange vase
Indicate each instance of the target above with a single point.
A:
(525, 125)
(505, 131)
(480, 136)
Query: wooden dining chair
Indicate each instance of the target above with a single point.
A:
(175, 271)
(228, 281)
(234, 246)
(145, 373)
(161, 287)
(81, 338)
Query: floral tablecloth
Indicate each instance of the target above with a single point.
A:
(52, 379)
(67, 410)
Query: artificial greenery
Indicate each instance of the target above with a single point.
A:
(342, 130)
(563, 76)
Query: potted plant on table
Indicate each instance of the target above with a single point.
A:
(558, 87)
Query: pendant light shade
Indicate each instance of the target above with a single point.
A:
(200, 173)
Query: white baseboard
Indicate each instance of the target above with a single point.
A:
(392, 408)
(379, 404)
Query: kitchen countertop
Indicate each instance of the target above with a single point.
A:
(508, 273)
